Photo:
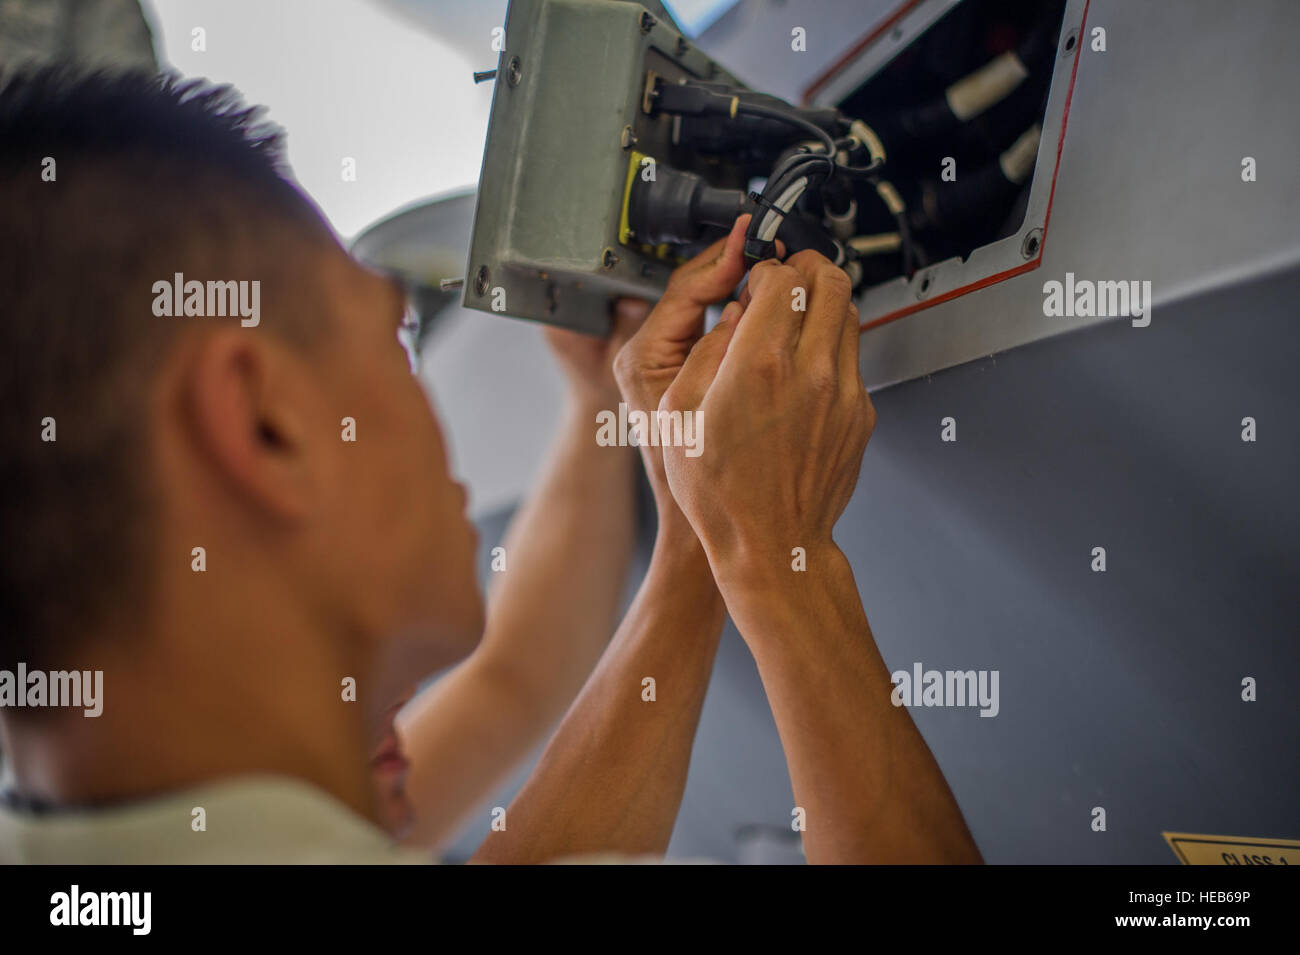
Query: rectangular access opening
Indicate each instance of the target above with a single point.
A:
(969, 101)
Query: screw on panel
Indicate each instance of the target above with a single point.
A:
(481, 280)
(514, 71)
(647, 23)
(1071, 41)
(682, 46)
(609, 259)
(1033, 242)
(628, 139)
(450, 285)
(482, 76)
(923, 288)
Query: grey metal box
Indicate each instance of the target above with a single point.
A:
(566, 118)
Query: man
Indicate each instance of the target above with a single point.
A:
(248, 525)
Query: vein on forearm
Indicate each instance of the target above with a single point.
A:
(613, 775)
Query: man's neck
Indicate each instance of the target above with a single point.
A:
(181, 713)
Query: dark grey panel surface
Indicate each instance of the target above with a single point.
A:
(1119, 689)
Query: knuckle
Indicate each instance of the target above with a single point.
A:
(823, 377)
(809, 259)
(672, 400)
(713, 342)
(683, 285)
(789, 275)
(623, 359)
(626, 362)
(834, 280)
(769, 368)
(773, 269)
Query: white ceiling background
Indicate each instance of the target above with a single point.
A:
(350, 78)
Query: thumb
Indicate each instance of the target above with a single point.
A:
(715, 272)
(702, 364)
(708, 278)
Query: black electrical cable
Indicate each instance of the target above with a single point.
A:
(810, 166)
(692, 99)
(753, 109)
(861, 172)
(905, 241)
(900, 220)
(816, 167)
(799, 164)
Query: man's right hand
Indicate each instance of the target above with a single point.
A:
(784, 419)
(785, 422)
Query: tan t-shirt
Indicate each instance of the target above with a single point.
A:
(252, 820)
(256, 819)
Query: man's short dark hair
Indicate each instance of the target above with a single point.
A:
(109, 183)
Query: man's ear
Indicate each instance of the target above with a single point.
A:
(245, 400)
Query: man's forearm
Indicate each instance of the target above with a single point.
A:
(550, 613)
(612, 778)
(567, 555)
(869, 785)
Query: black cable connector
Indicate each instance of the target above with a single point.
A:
(691, 99)
(687, 99)
(677, 206)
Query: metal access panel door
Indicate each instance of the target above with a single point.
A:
(566, 117)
